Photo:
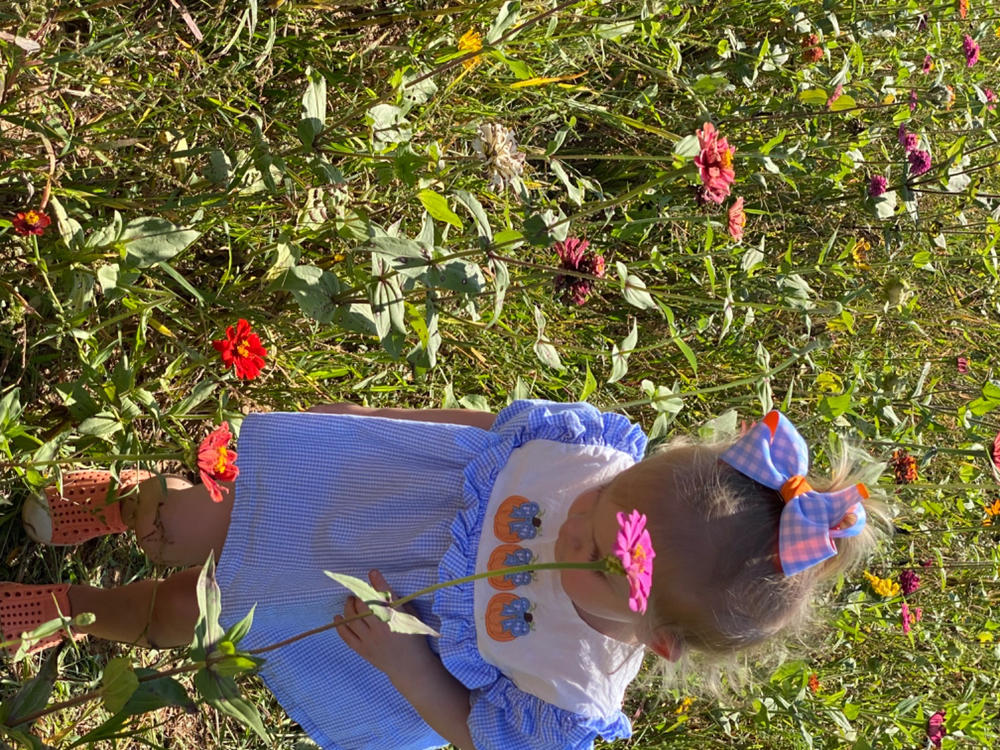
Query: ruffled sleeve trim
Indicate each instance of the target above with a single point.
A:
(515, 425)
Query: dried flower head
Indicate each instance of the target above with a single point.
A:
(813, 54)
(904, 466)
(496, 145)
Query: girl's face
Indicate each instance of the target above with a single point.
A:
(589, 533)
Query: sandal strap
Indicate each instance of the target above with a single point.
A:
(83, 512)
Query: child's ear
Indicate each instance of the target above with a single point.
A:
(666, 643)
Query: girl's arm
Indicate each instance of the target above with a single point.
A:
(483, 419)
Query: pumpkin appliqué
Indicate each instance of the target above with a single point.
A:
(516, 519)
(507, 556)
(508, 616)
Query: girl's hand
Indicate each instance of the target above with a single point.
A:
(392, 653)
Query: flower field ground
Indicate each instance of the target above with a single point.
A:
(678, 211)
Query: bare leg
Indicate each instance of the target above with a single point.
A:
(159, 614)
(178, 526)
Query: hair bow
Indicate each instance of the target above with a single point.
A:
(774, 454)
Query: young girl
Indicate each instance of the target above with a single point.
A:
(415, 497)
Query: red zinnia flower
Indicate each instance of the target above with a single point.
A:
(217, 462)
(241, 348)
(813, 683)
(30, 222)
(715, 163)
(935, 728)
(737, 220)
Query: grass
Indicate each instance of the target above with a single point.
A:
(277, 153)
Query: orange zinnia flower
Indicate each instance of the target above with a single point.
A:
(241, 349)
(30, 222)
(217, 462)
(904, 467)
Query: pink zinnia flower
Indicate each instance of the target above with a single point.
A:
(991, 98)
(573, 256)
(971, 49)
(913, 100)
(920, 162)
(715, 164)
(935, 728)
(995, 453)
(904, 617)
(634, 549)
(877, 185)
(909, 581)
(962, 364)
(928, 65)
(217, 462)
(737, 220)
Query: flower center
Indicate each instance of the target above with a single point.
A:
(31, 218)
(220, 464)
(243, 349)
(726, 159)
(639, 557)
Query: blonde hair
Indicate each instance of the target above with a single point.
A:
(724, 525)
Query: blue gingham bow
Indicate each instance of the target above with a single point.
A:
(774, 454)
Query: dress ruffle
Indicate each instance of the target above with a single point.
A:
(502, 715)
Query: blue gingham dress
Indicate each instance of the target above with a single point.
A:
(345, 493)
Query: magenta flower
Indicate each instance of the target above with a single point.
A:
(928, 65)
(573, 256)
(905, 617)
(991, 98)
(913, 100)
(715, 164)
(909, 581)
(962, 364)
(634, 549)
(935, 728)
(835, 95)
(971, 50)
(737, 220)
(907, 140)
(920, 161)
(995, 453)
(877, 185)
(922, 22)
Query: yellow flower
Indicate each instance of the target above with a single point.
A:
(470, 42)
(889, 98)
(859, 254)
(884, 587)
(685, 705)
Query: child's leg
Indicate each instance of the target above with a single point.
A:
(178, 524)
(159, 614)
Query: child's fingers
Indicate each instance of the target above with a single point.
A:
(379, 582)
(349, 636)
(355, 606)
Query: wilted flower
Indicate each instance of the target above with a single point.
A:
(935, 728)
(810, 41)
(813, 54)
(835, 95)
(920, 161)
(904, 466)
(971, 49)
(715, 163)
(909, 581)
(737, 219)
(882, 586)
(928, 65)
(241, 349)
(573, 256)
(30, 222)
(497, 146)
(962, 364)
(877, 185)
(470, 41)
(217, 462)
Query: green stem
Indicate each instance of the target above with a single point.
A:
(104, 458)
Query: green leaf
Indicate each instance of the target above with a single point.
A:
(475, 208)
(681, 343)
(223, 694)
(33, 694)
(437, 206)
(389, 125)
(150, 239)
(709, 83)
(404, 622)
(544, 350)
(238, 631)
(634, 289)
(842, 102)
(313, 288)
(398, 248)
(507, 17)
(313, 108)
(118, 684)
(688, 147)
(10, 407)
(207, 630)
(664, 400)
(832, 407)
(885, 205)
(589, 385)
(816, 97)
(365, 592)
(620, 354)
(573, 191)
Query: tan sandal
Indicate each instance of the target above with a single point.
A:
(82, 512)
(23, 608)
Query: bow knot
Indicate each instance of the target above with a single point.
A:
(774, 454)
